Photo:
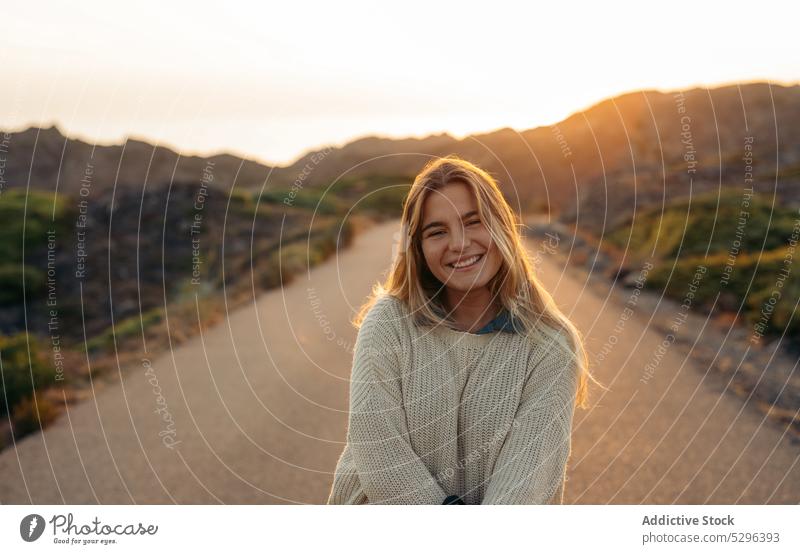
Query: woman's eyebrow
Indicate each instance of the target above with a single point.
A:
(440, 224)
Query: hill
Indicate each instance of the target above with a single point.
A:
(631, 150)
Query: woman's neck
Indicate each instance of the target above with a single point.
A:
(473, 309)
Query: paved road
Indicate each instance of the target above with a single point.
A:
(259, 407)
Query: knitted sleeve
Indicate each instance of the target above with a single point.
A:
(531, 466)
(389, 469)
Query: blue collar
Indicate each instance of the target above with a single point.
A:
(503, 322)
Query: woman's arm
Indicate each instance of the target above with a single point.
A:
(532, 463)
(389, 469)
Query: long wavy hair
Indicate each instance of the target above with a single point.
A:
(516, 285)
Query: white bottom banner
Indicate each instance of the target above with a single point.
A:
(374, 529)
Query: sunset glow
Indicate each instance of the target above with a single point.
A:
(269, 82)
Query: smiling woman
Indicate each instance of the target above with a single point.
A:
(465, 373)
(459, 251)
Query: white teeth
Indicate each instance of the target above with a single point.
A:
(467, 262)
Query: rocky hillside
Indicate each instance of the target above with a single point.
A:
(634, 149)
(124, 254)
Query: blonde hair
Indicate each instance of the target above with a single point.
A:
(515, 284)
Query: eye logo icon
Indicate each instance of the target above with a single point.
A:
(31, 527)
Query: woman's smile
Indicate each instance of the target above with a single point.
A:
(466, 264)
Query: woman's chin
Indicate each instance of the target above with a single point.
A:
(463, 285)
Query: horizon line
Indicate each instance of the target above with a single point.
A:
(183, 152)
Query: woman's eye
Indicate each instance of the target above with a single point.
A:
(468, 224)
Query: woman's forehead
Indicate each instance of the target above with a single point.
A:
(452, 200)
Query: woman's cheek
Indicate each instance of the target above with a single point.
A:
(497, 262)
(430, 259)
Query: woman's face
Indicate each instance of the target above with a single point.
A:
(456, 244)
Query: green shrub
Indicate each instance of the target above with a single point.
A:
(690, 228)
(125, 329)
(22, 375)
(386, 201)
(703, 232)
(12, 279)
(32, 414)
(26, 217)
(291, 259)
(752, 281)
(313, 199)
(377, 195)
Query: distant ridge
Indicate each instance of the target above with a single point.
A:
(616, 149)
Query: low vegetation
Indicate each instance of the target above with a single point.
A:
(150, 266)
(747, 245)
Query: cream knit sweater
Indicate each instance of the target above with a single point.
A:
(435, 412)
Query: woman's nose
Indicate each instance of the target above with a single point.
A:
(458, 239)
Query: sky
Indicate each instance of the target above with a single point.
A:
(270, 82)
